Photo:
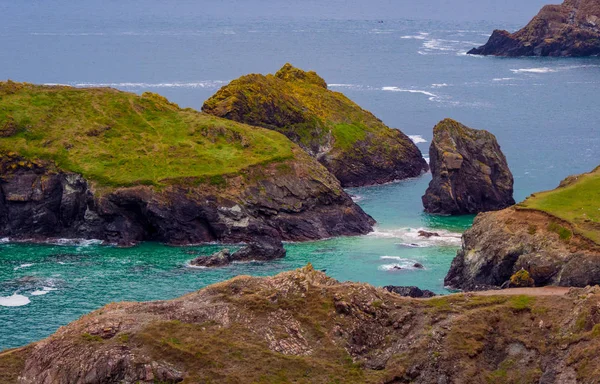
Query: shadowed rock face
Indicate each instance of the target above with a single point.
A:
(349, 141)
(470, 172)
(306, 327)
(570, 29)
(40, 202)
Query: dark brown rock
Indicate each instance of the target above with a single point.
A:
(261, 250)
(39, 202)
(428, 234)
(470, 172)
(412, 291)
(570, 29)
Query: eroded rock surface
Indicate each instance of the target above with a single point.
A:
(570, 29)
(260, 250)
(470, 173)
(304, 326)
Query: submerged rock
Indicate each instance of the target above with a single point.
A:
(411, 291)
(570, 29)
(470, 172)
(264, 250)
(350, 142)
(427, 235)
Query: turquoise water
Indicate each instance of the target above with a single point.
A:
(402, 60)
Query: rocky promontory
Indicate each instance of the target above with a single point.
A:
(110, 165)
(349, 141)
(470, 173)
(570, 29)
(554, 236)
(304, 327)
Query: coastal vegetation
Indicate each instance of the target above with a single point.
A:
(356, 146)
(116, 139)
(576, 201)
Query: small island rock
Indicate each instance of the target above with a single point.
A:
(470, 172)
(263, 250)
(570, 29)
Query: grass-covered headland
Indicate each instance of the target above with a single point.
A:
(115, 138)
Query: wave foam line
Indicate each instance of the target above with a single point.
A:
(417, 139)
(409, 237)
(15, 300)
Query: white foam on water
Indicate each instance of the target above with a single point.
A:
(417, 139)
(15, 300)
(399, 263)
(432, 96)
(409, 237)
(426, 158)
(356, 198)
(503, 79)
(440, 85)
(43, 291)
(533, 70)
(190, 265)
(4, 240)
(198, 84)
(23, 266)
(78, 242)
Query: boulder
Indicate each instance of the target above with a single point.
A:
(570, 29)
(411, 291)
(428, 234)
(470, 172)
(262, 250)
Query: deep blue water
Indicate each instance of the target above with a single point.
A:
(402, 60)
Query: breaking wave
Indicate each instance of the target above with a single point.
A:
(409, 237)
(417, 139)
(15, 300)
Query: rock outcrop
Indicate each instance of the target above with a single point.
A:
(302, 326)
(414, 292)
(261, 250)
(350, 142)
(470, 172)
(570, 29)
(552, 236)
(148, 170)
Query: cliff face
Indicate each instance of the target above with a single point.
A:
(470, 172)
(350, 142)
(143, 169)
(552, 235)
(302, 326)
(570, 29)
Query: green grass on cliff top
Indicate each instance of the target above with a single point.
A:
(577, 201)
(120, 139)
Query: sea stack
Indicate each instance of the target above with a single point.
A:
(570, 29)
(353, 144)
(553, 236)
(470, 172)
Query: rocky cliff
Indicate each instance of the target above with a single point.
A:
(304, 327)
(99, 163)
(570, 29)
(349, 141)
(470, 172)
(554, 236)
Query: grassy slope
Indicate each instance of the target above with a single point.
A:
(577, 202)
(120, 139)
(306, 92)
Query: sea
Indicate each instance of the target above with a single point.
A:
(403, 60)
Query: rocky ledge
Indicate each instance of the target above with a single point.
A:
(570, 29)
(302, 326)
(553, 236)
(470, 173)
(349, 141)
(114, 166)
(260, 250)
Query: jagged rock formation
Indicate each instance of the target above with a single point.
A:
(470, 172)
(553, 236)
(350, 142)
(302, 326)
(110, 165)
(570, 29)
(262, 250)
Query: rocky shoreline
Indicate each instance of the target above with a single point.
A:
(316, 329)
(571, 29)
